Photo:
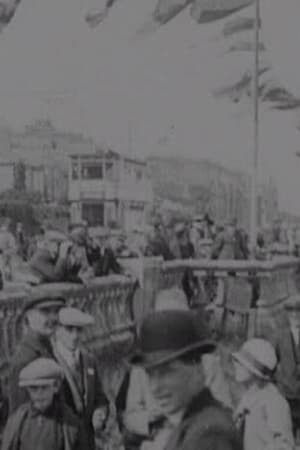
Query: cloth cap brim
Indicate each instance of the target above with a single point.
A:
(39, 382)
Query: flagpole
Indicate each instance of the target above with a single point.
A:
(254, 174)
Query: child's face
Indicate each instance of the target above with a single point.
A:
(42, 396)
(242, 374)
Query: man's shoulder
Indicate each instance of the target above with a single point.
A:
(213, 415)
(28, 349)
(18, 415)
(212, 427)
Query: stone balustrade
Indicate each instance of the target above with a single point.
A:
(108, 299)
(250, 298)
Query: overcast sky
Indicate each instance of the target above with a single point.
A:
(120, 86)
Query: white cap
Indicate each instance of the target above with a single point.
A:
(74, 317)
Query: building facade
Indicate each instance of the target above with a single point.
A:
(45, 150)
(205, 186)
(108, 189)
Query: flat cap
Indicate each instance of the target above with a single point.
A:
(180, 228)
(78, 236)
(39, 372)
(74, 317)
(42, 301)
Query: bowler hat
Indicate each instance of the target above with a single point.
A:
(167, 335)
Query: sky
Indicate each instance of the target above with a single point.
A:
(145, 92)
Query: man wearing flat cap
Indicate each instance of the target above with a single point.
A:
(82, 387)
(40, 317)
(170, 351)
(44, 422)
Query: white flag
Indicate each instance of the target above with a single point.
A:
(281, 36)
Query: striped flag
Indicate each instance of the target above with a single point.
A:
(204, 11)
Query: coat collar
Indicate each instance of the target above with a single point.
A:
(201, 401)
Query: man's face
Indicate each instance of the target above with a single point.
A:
(69, 336)
(173, 385)
(52, 247)
(242, 374)
(43, 320)
(42, 396)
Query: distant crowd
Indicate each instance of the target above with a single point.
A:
(85, 252)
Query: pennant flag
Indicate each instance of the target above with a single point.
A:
(96, 16)
(204, 11)
(166, 10)
(281, 36)
(7, 11)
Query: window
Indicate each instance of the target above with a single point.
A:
(138, 174)
(109, 170)
(92, 172)
(93, 213)
(74, 171)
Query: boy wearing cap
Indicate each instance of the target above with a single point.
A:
(40, 316)
(43, 423)
(171, 352)
(82, 387)
(263, 415)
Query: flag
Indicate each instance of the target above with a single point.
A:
(204, 11)
(7, 11)
(281, 36)
(166, 10)
(95, 16)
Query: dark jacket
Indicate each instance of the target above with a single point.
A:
(32, 346)
(206, 425)
(71, 428)
(230, 246)
(83, 402)
(103, 263)
(160, 247)
(45, 268)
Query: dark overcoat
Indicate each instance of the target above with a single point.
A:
(206, 425)
(71, 429)
(83, 402)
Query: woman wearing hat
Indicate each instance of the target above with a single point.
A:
(263, 415)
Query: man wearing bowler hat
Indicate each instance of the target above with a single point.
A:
(40, 317)
(170, 351)
(44, 422)
(82, 387)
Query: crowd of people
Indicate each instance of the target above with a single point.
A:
(84, 252)
(175, 394)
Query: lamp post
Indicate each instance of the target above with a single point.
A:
(255, 162)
